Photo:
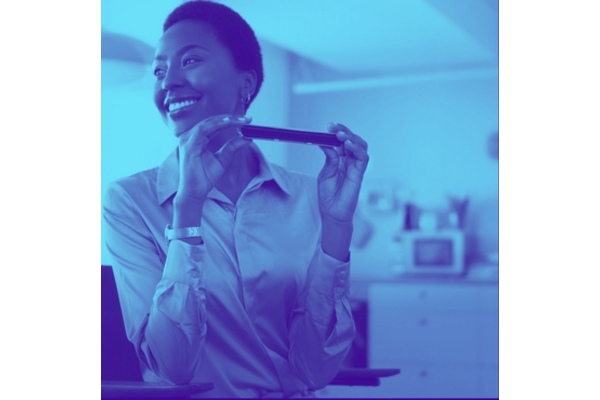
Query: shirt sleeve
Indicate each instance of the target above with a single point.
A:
(164, 306)
(322, 327)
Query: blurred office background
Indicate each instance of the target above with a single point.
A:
(418, 79)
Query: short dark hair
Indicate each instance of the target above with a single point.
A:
(231, 29)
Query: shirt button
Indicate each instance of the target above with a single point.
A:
(196, 256)
(195, 273)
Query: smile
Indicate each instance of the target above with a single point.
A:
(176, 107)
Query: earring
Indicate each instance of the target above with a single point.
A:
(246, 99)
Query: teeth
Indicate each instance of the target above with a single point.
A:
(180, 104)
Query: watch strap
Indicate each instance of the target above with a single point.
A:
(182, 233)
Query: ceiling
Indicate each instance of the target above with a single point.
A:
(349, 36)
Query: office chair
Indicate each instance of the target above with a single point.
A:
(121, 376)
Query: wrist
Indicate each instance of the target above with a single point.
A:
(336, 236)
(187, 212)
(183, 199)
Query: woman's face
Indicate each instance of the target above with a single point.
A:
(196, 76)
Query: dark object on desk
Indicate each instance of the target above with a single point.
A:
(411, 217)
(363, 376)
(120, 368)
(146, 390)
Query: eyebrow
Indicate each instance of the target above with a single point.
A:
(162, 57)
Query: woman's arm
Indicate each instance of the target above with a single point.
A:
(322, 328)
(164, 309)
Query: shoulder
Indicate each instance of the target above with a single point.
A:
(140, 186)
(295, 181)
(297, 184)
(301, 187)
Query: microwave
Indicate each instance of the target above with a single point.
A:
(433, 253)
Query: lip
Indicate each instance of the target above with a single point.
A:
(180, 111)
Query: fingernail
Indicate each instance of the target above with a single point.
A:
(225, 119)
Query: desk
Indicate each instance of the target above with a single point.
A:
(145, 390)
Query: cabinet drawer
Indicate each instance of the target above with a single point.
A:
(419, 380)
(419, 337)
(489, 382)
(490, 340)
(431, 296)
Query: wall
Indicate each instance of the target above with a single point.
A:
(426, 141)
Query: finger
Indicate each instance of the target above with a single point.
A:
(216, 125)
(217, 122)
(337, 127)
(356, 150)
(333, 127)
(332, 160)
(331, 153)
(340, 151)
(354, 138)
(212, 125)
(343, 133)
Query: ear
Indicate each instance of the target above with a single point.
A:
(248, 82)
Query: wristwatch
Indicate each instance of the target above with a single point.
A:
(183, 233)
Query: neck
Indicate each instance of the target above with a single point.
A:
(240, 172)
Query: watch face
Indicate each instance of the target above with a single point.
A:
(194, 232)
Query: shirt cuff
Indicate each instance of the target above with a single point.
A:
(331, 277)
(185, 262)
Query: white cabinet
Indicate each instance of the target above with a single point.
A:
(443, 336)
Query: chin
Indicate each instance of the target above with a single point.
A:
(180, 127)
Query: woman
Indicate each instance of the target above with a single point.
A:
(247, 286)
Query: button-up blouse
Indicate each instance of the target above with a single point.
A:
(258, 309)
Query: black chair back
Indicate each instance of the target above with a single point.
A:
(119, 362)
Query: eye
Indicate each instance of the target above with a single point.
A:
(159, 72)
(191, 60)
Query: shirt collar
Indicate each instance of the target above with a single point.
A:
(167, 179)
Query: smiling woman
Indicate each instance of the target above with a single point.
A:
(231, 269)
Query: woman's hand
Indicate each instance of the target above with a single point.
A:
(339, 185)
(341, 177)
(205, 152)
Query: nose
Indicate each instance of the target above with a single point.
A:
(173, 78)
